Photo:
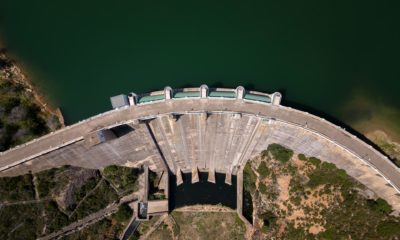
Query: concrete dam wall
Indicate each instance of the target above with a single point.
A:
(210, 130)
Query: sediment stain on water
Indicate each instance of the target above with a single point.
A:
(318, 53)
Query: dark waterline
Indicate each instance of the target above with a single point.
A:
(318, 53)
(202, 192)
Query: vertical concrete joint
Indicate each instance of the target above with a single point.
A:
(203, 91)
(179, 179)
(211, 175)
(168, 93)
(239, 91)
(228, 178)
(195, 175)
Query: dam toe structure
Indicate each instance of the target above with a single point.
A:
(192, 130)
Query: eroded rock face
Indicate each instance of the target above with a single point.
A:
(75, 179)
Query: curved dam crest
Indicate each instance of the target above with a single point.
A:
(201, 129)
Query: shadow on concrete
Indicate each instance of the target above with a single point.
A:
(122, 130)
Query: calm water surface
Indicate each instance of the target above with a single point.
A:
(319, 54)
(202, 192)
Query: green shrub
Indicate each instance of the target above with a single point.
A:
(329, 234)
(380, 205)
(97, 200)
(19, 113)
(328, 173)
(262, 188)
(269, 219)
(302, 157)
(249, 178)
(55, 218)
(17, 188)
(263, 170)
(389, 229)
(111, 170)
(123, 178)
(15, 215)
(291, 169)
(89, 185)
(124, 213)
(315, 161)
(46, 182)
(280, 153)
(264, 154)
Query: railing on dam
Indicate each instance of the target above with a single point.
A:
(202, 92)
(150, 98)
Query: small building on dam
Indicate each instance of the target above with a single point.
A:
(202, 130)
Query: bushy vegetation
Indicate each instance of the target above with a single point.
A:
(249, 187)
(45, 182)
(124, 213)
(280, 153)
(103, 229)
(85, 189)
(328, 174)
(389, 229)
(20, 118)
(20, 221)
(315, 161)
(112, 227)
(319, 195)
(302, 157)
(48, 182)
(44, 216)
(249, 178)
(97, 200)
(357, 218)
(380, 205)
(269, 220)
(16, 188)
(125, 179)
(262, 188)
(55, 219)
(263, 170)
(28, 221)
(154, 192)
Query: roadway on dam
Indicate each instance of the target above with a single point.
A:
(307, 121)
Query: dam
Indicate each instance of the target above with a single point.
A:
(212, 130)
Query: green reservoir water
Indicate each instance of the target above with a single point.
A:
(323, 55)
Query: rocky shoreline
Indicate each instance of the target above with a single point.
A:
(9, 71)
(24, 113)
(389, 146)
